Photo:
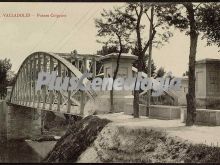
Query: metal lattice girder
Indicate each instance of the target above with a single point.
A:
(24, 91)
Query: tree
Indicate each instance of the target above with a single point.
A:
(190, 96)
(116, 27)
(210, 23)
(5, 67)
(186, 73)
(160, 72)
(137, 11)
(74, 52)
(106, 49)
(132, 21)
(153, 66)
(187, 17)
(11, 76)
(174, 16)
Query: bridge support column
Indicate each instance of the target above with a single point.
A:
(3, 123)
(23, 122)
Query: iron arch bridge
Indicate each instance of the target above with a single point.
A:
(70, 102)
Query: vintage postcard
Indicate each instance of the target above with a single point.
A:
(110, 82)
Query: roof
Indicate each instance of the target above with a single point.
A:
(208, 60)
(80, 56)
(115, 56)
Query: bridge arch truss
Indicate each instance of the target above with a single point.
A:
(24, 91)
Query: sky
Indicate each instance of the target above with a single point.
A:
(21, 36)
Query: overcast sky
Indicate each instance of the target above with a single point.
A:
(19, 37)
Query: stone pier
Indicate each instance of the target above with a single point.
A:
(23, 122)
(19, 122)
(3, 123)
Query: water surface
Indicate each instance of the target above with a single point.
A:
(24, 151)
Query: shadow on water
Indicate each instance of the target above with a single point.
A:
(17, 152)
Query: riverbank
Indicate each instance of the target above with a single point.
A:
(126, 139)
(77, 138)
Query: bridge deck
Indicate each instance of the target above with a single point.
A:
(74, 110)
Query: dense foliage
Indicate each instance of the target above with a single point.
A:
(5, 77)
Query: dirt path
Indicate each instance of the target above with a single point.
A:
(209, 135)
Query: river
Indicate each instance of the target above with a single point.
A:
(24, 151)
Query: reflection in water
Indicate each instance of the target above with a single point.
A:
(18, 151)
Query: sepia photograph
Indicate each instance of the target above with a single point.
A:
(110, 82)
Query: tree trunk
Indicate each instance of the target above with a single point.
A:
(191, 100)
(111, 101)
(136, 104)
(141, 63)
(137, 92)
(150, 55)
(112, 110)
